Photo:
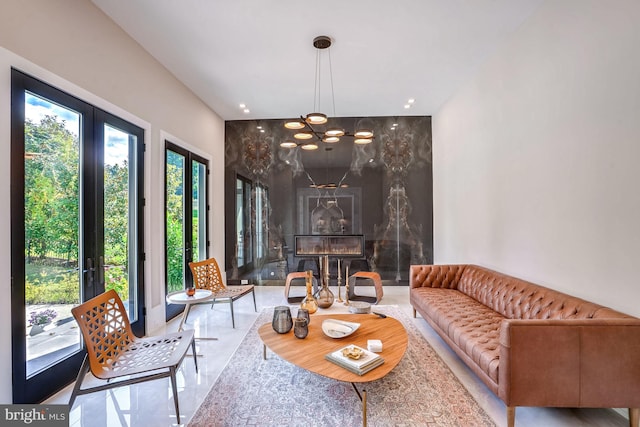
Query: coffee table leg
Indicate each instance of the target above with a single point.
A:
(364, 408)
(363, 399)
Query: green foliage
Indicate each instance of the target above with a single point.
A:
(52, 286)
(52, 214)
(175, 225)
(116, 279)
(51, 189)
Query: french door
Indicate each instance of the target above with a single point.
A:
(76, 227)
(186, 217)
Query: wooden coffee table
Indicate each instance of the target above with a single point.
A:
(309, 353)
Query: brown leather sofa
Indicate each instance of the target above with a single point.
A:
(531, 345)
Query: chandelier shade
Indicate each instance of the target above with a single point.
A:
(288, 144)
(316, 118)
(294, 124)
(303, 135)
(334, 132)
(363, 133)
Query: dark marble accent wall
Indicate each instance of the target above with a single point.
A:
(388, 197)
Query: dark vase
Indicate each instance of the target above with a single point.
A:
(304, 313)
(282, 321)
(300, 327)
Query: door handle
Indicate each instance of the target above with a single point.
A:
(101, 270)
(90, 272)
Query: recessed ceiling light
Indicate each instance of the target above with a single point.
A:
(406, 106)
(310, 146)
(261, 130)
(411, 101)
(246, 110)
(258, 127)
(243, 106)
(395, 124)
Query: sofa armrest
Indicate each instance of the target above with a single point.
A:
(435, 276)
(570, 363)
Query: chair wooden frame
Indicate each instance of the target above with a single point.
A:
(300, 275)
(362, 276)
(114, 351)
(207, 275)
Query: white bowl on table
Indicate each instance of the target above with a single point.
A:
(335, 328)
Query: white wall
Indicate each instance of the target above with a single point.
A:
(74, 46)
(537, 159)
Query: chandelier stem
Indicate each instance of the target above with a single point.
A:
(333, 97)
(316, 91)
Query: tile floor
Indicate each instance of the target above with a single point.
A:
(151, 404)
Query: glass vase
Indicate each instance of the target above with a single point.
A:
(309, 302)
(300, 327)
(282, 321)
(304, 313)
(325, 296)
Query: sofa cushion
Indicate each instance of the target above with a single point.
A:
(518, 299)
(473, 327)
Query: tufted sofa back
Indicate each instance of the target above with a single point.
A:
(517, 299)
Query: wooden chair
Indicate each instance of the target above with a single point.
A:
(114, 351)
(365, 276)
(206, 275)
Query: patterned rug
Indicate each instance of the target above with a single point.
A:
(420, 391)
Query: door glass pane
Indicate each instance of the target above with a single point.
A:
(120, 226)
(175, 183)
(260, 222)
(199, 211)
(240, 221)
(248, 231)
(52, 188)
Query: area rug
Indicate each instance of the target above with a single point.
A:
(420, 391)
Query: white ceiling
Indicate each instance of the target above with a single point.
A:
(260, 52)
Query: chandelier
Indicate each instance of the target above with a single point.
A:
(308, 134)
